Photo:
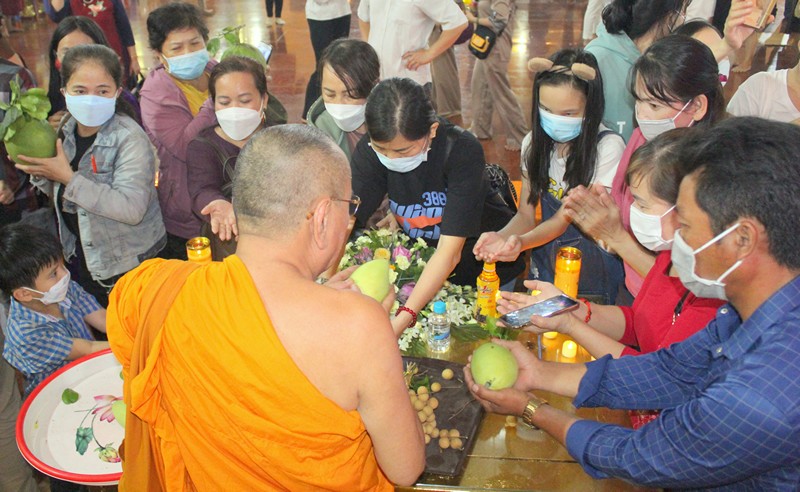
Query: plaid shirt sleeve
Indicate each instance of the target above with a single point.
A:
(84, 303)
(34, 347)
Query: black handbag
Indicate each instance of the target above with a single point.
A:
(483, 40)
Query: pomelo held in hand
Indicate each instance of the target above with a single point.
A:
(33, 138)
(494, 366)
(373, 279)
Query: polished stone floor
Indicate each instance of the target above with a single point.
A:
(541, 27)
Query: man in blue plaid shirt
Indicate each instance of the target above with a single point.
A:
(49, 316)
(730, 394)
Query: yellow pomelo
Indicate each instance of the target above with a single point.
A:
(373, 279)
(494, 366)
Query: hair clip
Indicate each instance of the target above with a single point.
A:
(580, 70)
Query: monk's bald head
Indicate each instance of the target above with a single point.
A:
(280, 173)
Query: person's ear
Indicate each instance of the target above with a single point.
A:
(434, 128)
(320, 224)
(22, 295)
(748, 237)
(699, 107)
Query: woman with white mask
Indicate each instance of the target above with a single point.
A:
(675, 84)
(349, 70)
(101, 179)
(238, 88)
(665, 311)
(435, 176)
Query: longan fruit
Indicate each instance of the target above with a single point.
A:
(436, 387)
(412, 393)
(428, 410)
(430, 418)
(434, 432)
(419, 405)
(444, 442)
(454, 433)
(424, 397)
(433, 403)
(427, 438)
(456, 443)
(444, 433)
(421, 416)
(427, 428)
(448, 374)
(422, 390)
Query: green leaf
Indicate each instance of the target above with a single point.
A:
(231, 37)
(469, 333)
(213, 46)
(83, 437)
(14, 89)
(69, 396)
(12, 116)
(417, 348)
(4, 106)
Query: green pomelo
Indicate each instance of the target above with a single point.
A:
(34, 139)
(494, 366)
(246, 51)
(119, 409)
(373, 279)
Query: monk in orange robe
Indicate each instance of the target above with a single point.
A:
(247, 374)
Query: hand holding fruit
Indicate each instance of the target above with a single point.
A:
(53, 168)
(223, 220)
(508, 401)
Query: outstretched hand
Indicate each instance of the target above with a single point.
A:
(493, 247)
(222, 218)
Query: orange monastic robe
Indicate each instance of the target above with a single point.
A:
(214, 400)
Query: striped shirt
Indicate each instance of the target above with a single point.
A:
(38, 344)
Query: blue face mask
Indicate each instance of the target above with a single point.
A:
(91, 111)
(188, 66)
(560, 128)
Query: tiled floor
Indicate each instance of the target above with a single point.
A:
(541, 27)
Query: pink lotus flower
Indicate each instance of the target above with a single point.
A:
(401, 251)
(104, 403)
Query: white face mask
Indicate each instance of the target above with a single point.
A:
(239, 123)
(648, 231)
(652, 128)
(348, 117)
(685, 260)
(56, 294)
(403, 164)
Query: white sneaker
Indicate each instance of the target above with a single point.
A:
(270, 21)
(280, 21)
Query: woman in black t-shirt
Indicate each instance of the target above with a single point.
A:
(434, 174)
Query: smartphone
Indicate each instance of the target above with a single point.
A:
(758, 19)
(265, 49)
(547, 308)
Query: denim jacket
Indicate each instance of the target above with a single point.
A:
(118, 212)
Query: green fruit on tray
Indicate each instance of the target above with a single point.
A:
(494, 366)
(373, 279)
(33, 139)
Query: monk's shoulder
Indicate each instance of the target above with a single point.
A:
(361, 315)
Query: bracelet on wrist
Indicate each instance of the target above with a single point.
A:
(409, 311)
(588, 309)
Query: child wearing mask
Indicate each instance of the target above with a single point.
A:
(568, 147)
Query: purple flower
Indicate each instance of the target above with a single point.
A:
(405, 292)
(364, 256)
(401, 251)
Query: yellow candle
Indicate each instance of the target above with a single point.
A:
(199, 249)
(551, 334)
(569, 349)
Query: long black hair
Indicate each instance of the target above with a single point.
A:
(102, 56)
(676, 69)
(399, 106)
(582, 161)
(68, 26)
(636, 17)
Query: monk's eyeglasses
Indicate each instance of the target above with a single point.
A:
(353, 202)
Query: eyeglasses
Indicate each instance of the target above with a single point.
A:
(354, 202)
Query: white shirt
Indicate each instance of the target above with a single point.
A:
(609, 152)
(700, 9)
(322, 10)
(766, 95)
(399, 26)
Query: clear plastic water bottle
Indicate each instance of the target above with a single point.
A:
(439, 328)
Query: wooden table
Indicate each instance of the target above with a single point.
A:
(521, 458)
